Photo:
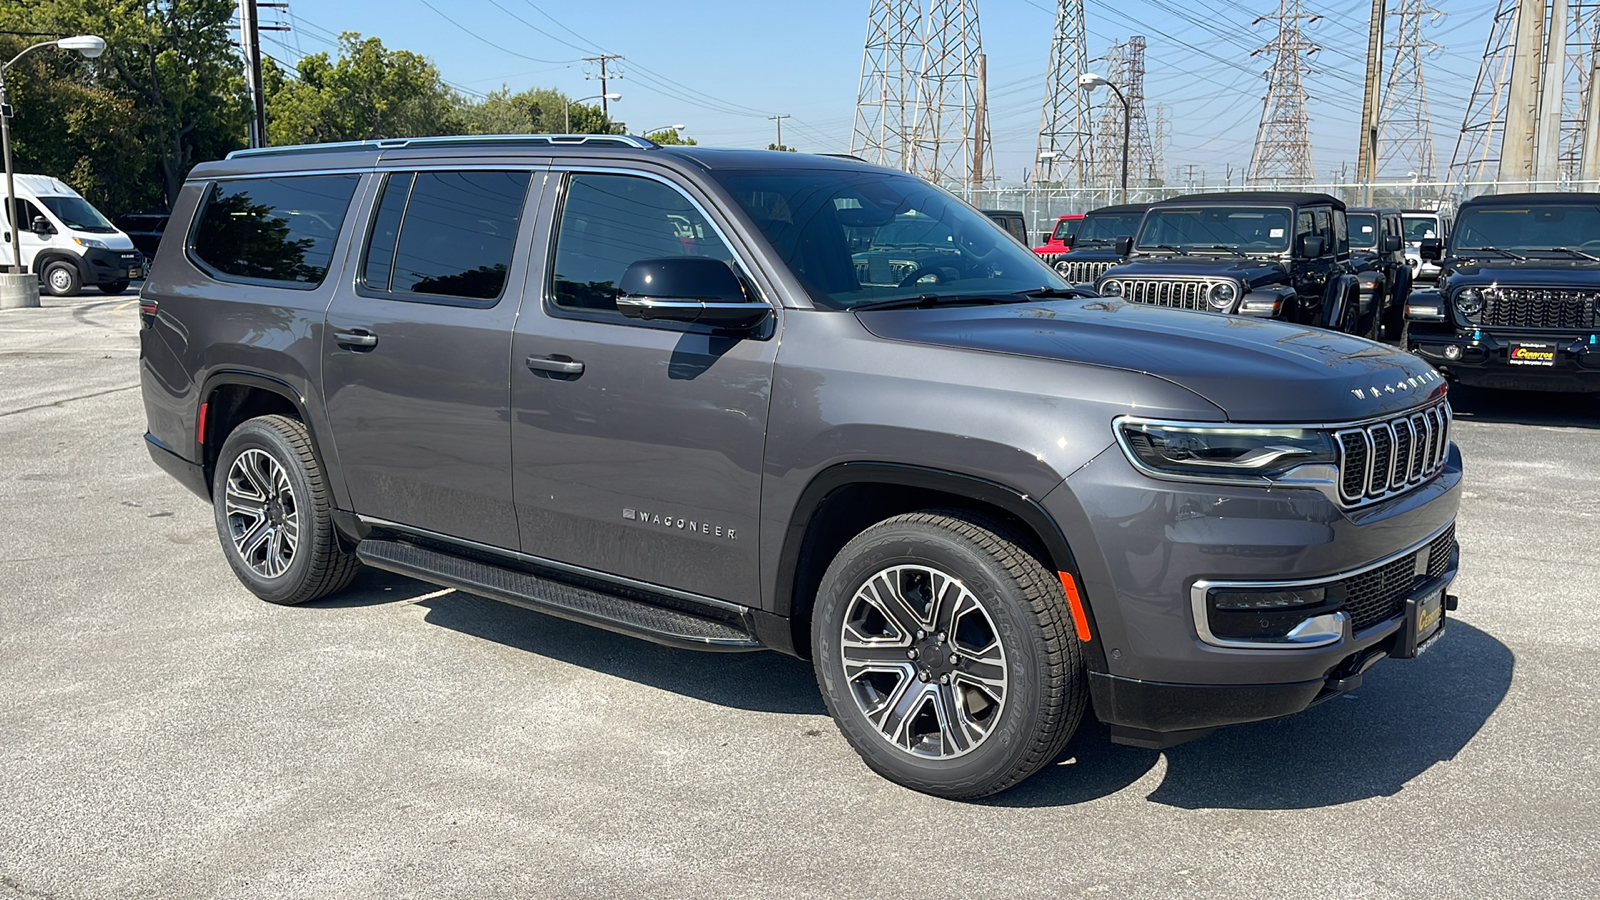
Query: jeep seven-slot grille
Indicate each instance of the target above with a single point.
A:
(1168, 292)
(1376, 596)
(1511, 307)
(1083, 271)
(1384, 458)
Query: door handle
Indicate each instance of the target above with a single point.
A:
(554, 364)
(356, 339)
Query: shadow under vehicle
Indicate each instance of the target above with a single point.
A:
(1264, 255)
(1102, 241)
(1517, 304)
(1377, 250)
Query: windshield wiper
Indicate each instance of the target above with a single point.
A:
(924, 301)
(1460, 250)
(1047, 293)
(1175, 249)
(1577, 253)
(1234, 250)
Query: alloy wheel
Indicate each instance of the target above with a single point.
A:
(263, 516)
(923, 661)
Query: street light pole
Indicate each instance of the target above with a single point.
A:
(1089, 81)
(601, 97)
(89, 46)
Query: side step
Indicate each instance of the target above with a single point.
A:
(635, 618)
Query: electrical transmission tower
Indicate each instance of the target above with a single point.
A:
(886, 107)
(1405, 129)
(1282, 153)
(951, 135)
(1525, 116)
(1106, 155)
(1141, 154)
(1063, 149)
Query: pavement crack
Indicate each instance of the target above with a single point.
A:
(18, 890)
(66, 400)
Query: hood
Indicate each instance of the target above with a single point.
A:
(1246, 269)
(1582, 273)
(1255, 370)
(1092, 253)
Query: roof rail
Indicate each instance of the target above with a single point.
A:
(465, 140)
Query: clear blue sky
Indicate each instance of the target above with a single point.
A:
(722, 66)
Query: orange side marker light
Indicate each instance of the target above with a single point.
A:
(1075, 603)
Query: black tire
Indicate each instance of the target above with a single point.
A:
(60, 279)
(114, 287)
(1023, 613)
(263, 505)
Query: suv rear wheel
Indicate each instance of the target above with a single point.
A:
(945, 654)
(274, 513)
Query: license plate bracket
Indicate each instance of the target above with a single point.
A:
(1422, 624)
(1532, 353)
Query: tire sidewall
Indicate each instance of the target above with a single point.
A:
(255, 434)
(74, 284)
(1020, 636)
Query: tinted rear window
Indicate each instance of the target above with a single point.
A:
(273, 229)
(448, 234)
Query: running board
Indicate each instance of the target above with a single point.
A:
(635, 618)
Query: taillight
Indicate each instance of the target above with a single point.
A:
(148, 310)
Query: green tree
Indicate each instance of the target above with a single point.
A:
(784, 147)
(168, 86)
(669, 136)
(534, 111)
(368, 93)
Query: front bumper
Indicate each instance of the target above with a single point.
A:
(1142, 545)
(1485, 359)
(110, 266)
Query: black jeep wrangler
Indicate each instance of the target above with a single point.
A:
(1101, 241)
(1263, 254)
(1377, 250)
(1518, 299)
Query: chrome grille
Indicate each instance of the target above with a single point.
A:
(1082, 271)
(1553, 308)
(1382, 459)
(1050, 259)
(1173, 293)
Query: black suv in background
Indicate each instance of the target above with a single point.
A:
(1377, 249)
(648, 389)
(1268, 255)
(1518, 299)
(1101, 241)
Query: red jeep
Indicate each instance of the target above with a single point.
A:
(1055, 244)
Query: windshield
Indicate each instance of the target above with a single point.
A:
(1107, 227)
(854, 238)
(1363, 230)
(77, 214)
(1246, 228)
(1530, 227)
(1066, 227)
(1419, 227)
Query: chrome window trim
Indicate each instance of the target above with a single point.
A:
(567, 568)
(1203, 586)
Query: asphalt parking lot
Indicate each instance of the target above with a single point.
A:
(164, 734)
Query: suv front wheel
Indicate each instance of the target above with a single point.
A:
(274, 513)
(946, 655)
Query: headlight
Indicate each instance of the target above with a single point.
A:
(1221, 295)
(90, 242)
(1470, 301)
(1111, 288)
(1222, 451)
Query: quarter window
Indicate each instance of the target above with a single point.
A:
(609, 222)
(273, 229)
(445, 234)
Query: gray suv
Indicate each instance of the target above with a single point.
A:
(708, 398)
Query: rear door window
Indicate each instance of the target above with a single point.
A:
(445, 236)
(279, 230)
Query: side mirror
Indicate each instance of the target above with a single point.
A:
(1431, 249)
(41, 226)
(688, 289)
(1069, 241)
(1123, 246)
(1391, 243)
(1311, 246)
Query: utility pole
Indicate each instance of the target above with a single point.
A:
(602, 59)
(1547, 143)
(1522, 100)
(779, 120)
(980, 134)
(1282, 151)
(1367, 158)
(250, 43)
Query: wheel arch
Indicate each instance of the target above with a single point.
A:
(230, 397)
(844, 499)
(48, 255)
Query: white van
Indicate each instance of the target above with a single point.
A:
(66, 241)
